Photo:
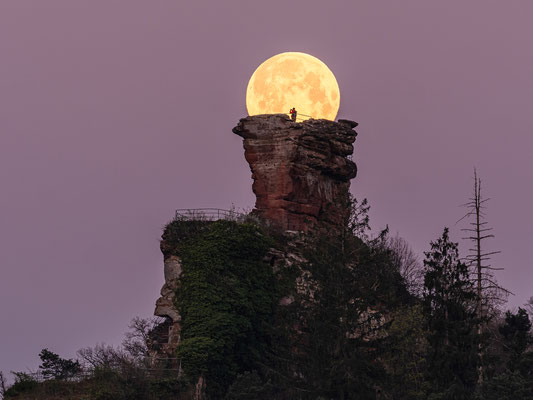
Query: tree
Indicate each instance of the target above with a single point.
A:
(517, 337)
(507, 386)
(529, 306)
(407, 263)
(24, 383)
(338, 331)
(516, 380)
(489, 293)
(347, 287)
(103, 356)
(249, 386)
(138, 340)
(356, 219)
(406, 358)
(449, 307)
(55, 367)
(2, 384)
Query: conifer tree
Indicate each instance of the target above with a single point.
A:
(448, 302)
(55, 367)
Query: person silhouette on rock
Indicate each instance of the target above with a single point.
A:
(293, 114)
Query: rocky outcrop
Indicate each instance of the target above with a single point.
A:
(301, 170)
(165, 307)
(301, 174)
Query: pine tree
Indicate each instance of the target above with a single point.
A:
(55, 367)
(448, 300)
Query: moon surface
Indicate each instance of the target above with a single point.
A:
(290, 80)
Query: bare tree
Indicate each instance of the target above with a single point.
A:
(138, 340)
(101, 356)
(407, 263)
(134, 351)
(490, 294)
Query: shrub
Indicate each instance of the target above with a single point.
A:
(24, 383)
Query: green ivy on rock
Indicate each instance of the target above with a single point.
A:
(225, 298)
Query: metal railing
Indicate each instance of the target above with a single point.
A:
(151, 367)
(298, 116)
(208, 214)
(289, 222)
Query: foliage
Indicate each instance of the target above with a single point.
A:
(103, 372)
(29, 388)
(112, 384)
(225, 298)
(507, 386)
(358, 221)
(335, 322)
(23, 383)
(406, 355)
(330, 337)
(517, 337)
(343, 318)
(196, 354)
(250, 386)
(179, 230)
(55, 367)
(449, 300)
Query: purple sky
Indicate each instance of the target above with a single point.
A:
(115, 113)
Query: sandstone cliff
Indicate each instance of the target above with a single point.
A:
(301, 174)
(301, 171)
(301, 178)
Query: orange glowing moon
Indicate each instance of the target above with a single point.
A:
(297, 80)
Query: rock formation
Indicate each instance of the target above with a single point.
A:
(301, 177)
(301, 171)
(301, 174)
(165, 306)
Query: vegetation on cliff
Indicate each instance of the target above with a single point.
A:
(101, 373)
(331, 314)
(225, 298)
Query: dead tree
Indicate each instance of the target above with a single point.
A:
(490, 294)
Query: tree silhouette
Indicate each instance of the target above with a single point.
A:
(448, 301)
(55, 367)
(489, 293)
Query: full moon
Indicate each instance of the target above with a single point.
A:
(296, 80)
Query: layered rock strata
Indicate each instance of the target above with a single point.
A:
(301, 171)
